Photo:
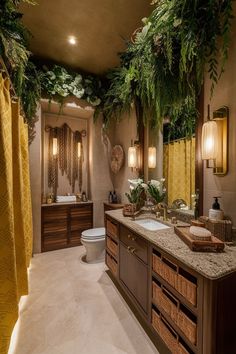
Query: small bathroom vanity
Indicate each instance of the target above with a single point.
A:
(185, 299)
(62, 224)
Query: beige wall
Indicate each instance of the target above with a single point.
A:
(99, 175)
(224, 95)
(124, 131)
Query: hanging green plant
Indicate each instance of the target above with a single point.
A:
(58, 83)
(165, 66)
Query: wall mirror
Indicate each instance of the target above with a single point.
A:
(179, 162)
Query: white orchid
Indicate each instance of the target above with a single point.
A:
(135, 182)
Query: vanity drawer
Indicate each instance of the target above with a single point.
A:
(139, 246)
(112, 229)
(112, 246)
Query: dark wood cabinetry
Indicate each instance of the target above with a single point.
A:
(134, 275)
(62, 225)
(186, 311)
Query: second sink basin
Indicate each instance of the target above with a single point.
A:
(151, 225)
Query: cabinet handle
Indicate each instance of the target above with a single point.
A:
(133, 250)
(129, 236)
(133, 238)
(129, 248)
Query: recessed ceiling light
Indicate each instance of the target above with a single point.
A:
(72, 40)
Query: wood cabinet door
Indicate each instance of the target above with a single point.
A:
(134, 275)
(54, 228)
(80, 219)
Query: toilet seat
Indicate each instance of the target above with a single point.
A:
(93, 234)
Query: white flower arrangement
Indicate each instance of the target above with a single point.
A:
(153, 189)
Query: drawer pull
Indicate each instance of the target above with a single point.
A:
(129, 236)
(133, 238)
(133, 250)
(129, 248)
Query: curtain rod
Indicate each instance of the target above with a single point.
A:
(4, 69)
(176, 140)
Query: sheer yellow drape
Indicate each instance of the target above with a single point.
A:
(179, 169)
(15, 210)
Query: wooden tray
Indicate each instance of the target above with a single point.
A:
(215, 245)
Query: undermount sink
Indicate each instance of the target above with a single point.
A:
(151, 225)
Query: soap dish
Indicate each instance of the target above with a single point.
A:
(213, 245)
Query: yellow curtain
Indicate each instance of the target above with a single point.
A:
(15, 243)
(179, 170)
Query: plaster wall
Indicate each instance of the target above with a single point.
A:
(124, 131)
(100, 182)
(224, 95)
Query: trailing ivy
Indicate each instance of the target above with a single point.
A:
(58, 83)
(165, 66)
(161, 72)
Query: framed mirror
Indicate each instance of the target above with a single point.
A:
(178, 160)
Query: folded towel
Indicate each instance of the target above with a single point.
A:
(66, 198)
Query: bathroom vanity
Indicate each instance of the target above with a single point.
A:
(63, 223)
(186, 299)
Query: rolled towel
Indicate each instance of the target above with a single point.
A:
(200, 233)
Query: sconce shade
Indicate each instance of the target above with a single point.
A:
(132, 157)
(152, 157)
(209, 140)
(54, 146)
(79, 150)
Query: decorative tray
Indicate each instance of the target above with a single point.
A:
(215, 245)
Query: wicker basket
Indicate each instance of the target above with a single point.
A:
(164, 302)
(112, 229)
(221, 229)
(111, 263)
(187, 289)
(167, 273)
(129, 209)
(112, 246)
(163, 329)
(188, 327)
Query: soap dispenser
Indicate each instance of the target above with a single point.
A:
(216, 213)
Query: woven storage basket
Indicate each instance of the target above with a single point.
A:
(187, 289)
(164, 270)
(112, 246)
(164, 302)
(129, 209)
(111, 264)
(221, 229)
(187, 326)
(163, 330)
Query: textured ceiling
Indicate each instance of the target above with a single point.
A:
(99, 25)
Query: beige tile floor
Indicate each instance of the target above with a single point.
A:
(74, 308)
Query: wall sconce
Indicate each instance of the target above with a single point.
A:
(54, 147)
(79, 149)
(215, 141)
(152, 157)
(133, 158)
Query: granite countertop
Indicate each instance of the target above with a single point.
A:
(210, 265)
(66, 203)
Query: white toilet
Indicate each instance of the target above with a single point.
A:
(94, 242)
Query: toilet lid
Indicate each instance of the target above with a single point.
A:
(94, 233)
